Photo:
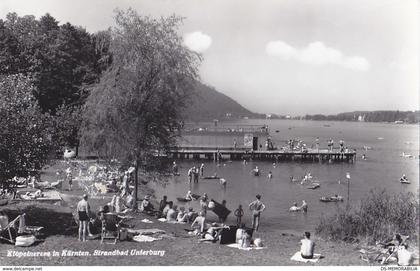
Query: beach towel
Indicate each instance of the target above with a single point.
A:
(146, 231)
(146, 221)
(298, 257)
(144, 238)
(235, 245)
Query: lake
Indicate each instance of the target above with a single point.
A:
(382, 169)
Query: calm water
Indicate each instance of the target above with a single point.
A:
(382, 169)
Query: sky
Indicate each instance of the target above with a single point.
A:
(282, 56)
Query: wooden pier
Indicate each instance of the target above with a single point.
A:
(311, 155)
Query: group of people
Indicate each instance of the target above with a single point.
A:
(296, 208)
(194, 173)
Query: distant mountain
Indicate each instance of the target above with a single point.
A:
(208, 104)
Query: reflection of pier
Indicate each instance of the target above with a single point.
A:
(311, 155)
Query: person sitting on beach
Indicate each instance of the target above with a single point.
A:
(171, 216)
(392, 247)
(168, 206)
(129, 201)
(213, 232)
(4, 220)
(307, 246)
(270, 175)
(95, 225)
(189, 196)
(182, 215)
(243, 238)
(191, 215)
(146, 206)
(199, 221)
(404, 178)
(162, 205)
(240, 232)
(294, 208)
(404, 256)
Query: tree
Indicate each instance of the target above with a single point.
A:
(134, 112)
(25, 134)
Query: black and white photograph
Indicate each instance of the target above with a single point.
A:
(198, 133)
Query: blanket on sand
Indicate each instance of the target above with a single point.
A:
(245, 248)
(298, 257)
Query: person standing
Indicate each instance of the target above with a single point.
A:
(234, 144)
(204, 205)
(223, 183)
(202, 170)
(304, 206)
(83, 213)
(175, 169)
(317, 144)
(257, 207)
(195, 174)
(239, 213)
(190, 174)
(69, 178)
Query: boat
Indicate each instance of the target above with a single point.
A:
(195, 197)
(331, 199)
(314, 186)
(277, 131)
(406, 155)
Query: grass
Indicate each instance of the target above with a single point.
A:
(379, 216)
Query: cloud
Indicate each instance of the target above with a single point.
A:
(197, 41)
(316, 53)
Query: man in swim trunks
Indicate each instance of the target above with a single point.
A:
(307, 247)
(257, 207)
(83, 212)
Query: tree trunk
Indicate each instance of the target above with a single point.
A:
(136, 182)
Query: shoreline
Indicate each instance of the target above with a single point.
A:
(179, 247)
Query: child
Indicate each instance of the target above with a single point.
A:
(239, 213)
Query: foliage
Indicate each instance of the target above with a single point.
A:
(25, 133)
(62, 60)
(371, 116)
(134, 112)
(379, 216)
(65, 127)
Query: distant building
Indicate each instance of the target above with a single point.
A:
(361, 118)
(288, 117)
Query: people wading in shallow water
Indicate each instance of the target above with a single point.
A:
(257, 207)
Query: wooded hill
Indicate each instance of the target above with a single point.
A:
(371, 116)
(209, 104)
